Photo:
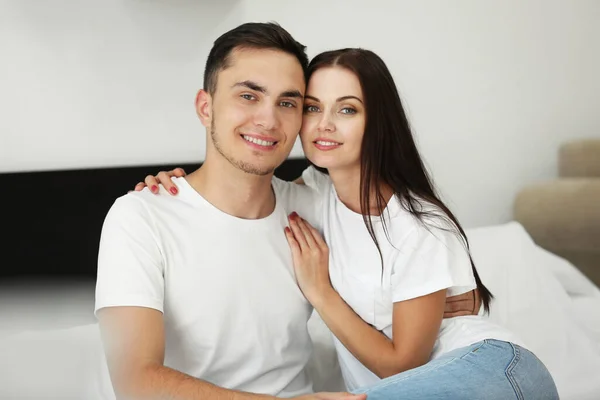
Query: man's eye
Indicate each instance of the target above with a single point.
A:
(288, 104)
(248, 97)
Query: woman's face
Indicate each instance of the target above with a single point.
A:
(334, 119)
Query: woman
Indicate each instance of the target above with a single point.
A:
(392, 252)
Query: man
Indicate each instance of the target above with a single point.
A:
(196, 296)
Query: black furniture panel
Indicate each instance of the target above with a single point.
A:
(51, 220)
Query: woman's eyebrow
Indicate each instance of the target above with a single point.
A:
(338, 100)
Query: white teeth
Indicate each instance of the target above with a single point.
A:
(322, 143)
(257, 141)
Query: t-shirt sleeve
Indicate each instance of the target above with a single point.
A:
(301, 199)
(431, 259)
(130, 262)
(316, 179)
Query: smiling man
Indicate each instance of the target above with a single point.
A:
(196, 296)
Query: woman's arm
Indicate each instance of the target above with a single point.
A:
(416, 322)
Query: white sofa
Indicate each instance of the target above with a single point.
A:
(541, 297)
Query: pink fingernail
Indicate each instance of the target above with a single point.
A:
(174, 190)
(154, 188)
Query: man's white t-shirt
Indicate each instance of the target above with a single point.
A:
(233, 313)
(417, 260)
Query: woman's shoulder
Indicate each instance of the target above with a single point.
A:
(420, 210)
(316, 180)
(419, 220)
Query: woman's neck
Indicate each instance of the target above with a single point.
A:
(347, 186)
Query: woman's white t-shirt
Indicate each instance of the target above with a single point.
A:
(417, 260)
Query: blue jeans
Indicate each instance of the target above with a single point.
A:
(490, 369)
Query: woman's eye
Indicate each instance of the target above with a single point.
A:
(311, 109)
(348, 110)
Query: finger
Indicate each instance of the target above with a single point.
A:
(317, 236)
(459, 305)
(294, 246)
(455, 314)
(139, 186)
(298, 234)
(179, 172)
(165, 180)
(150, 181)
(310, 240)
(350, 396)
(343, 396)
(355, 397)
(477, 301)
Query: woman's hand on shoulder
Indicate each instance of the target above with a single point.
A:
(163, 178)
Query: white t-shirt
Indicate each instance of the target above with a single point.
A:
(420, 261)
(234, 315)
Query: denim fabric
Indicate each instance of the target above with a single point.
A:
(490, 369)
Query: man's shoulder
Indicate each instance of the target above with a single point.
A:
(135, 202)
(141, 206)
(130, 203)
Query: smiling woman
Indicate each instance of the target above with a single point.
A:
(380, 208)
(333, 117)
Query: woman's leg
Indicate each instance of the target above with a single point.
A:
(486, 370)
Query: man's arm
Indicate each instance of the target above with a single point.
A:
(134, 342)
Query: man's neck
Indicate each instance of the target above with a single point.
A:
(232, 190)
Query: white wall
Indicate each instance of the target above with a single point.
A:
(94, 83)
(492, 88)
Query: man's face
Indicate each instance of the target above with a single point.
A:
(255, 113)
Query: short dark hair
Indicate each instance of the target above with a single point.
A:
(251, 35)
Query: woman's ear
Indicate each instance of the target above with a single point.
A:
(204, 107)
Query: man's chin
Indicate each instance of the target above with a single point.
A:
(256, 169)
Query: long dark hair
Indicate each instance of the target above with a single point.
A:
(389, 155)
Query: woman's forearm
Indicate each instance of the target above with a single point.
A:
(370, 346)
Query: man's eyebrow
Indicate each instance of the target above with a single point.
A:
(291, 93)
(259, 88)
(252, 86)
(338, 99)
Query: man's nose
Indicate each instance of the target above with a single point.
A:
(266, 117)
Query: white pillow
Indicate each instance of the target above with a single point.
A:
(56, 363)
(533, 303)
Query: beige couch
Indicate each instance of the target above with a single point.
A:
(563, 215)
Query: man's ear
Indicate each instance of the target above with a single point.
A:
(204, 107)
